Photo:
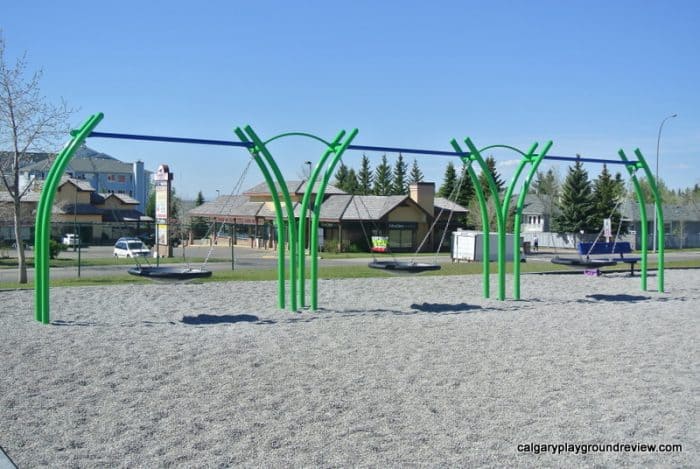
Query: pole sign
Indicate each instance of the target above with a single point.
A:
(163, 180)
(607, 229)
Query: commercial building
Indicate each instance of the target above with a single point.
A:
(347, 222)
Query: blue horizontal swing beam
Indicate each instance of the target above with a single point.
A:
(229, 143)
(156, 138)
(406, 150)
(589, 160)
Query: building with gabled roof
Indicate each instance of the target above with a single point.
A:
(78, 206)
(346, 221)
(104, 173)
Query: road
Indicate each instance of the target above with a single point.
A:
(245, 258)
(249, 258)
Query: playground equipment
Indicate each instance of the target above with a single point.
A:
(331, 156)
(169, 273)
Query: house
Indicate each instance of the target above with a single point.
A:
(681, 223)
(104, 173)
(98, 217)
(347, 221)
(538, 211)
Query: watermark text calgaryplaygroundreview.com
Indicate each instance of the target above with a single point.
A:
(586, 448)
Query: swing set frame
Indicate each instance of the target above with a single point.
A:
(295, 235)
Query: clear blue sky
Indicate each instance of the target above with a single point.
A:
(593, 76)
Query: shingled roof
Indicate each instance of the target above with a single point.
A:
(338, 206)
(293, 187)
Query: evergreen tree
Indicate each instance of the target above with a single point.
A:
(576, 205)
(199, 200)
(364, 177)
(466, 188)
(400, 186)
(382, 178)
(351, 186)
(341, 176)
(607, 194)
(483, 178)
(416, 174)
(449, 182)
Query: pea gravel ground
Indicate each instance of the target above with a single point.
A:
(395, 372)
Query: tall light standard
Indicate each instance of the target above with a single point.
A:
(656, 176)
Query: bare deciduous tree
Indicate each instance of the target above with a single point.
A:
(28, 123)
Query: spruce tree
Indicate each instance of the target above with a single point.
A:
(483, 178)
(364, 177)
(382, 178)
(341, 176)
(416, 174)
(449, 182)
(576, 205)
(400, 186)
(607, 194)
(350, 184)
(466, 188)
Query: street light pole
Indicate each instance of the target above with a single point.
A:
(308, 176)
(656, 176)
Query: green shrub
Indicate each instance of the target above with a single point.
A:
(55, 248)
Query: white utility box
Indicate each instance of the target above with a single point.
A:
(467, 246)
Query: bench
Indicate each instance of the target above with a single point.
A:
(621, 248)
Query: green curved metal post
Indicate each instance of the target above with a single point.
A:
(42, 228)
(535, 160)
(500, 222)
(317, 212)
(658, 206)
(632, 169)
(483, 206)
(278, 217)
(291, 219)
(303, 214)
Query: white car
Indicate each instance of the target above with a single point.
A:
(130, 247)
(71, 239)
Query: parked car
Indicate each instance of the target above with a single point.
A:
(130, 247)
(71, 239)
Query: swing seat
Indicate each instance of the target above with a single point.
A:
(621, 248)
(169, 273)
(583, 263)
(404, 267)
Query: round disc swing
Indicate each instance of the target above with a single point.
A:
(188, 272)
(587, 262)
(168, 273)
(583, 263)
(409, 266)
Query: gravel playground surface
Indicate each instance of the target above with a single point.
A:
(402, 371)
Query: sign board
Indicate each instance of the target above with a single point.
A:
(607, 228)
(163, 181)
(380, 243)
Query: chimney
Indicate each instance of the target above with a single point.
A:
(423, 193)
